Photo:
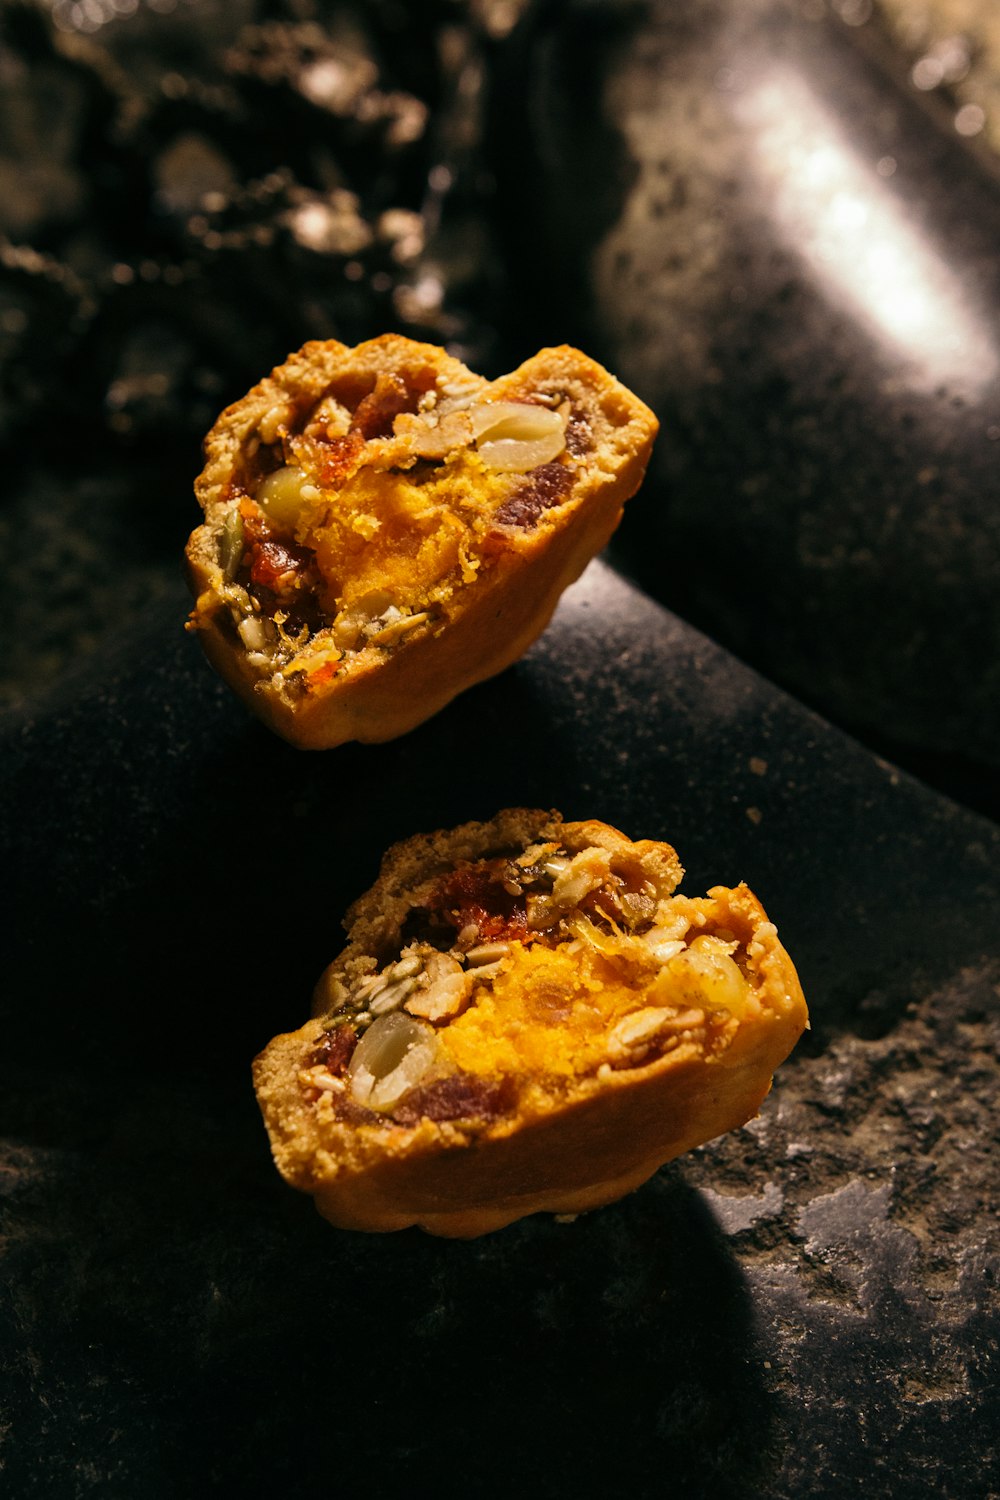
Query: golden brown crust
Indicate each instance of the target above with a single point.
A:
(570, 1144)
(489, 619)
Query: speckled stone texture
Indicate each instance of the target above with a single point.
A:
(806, 1308)
(748, 209)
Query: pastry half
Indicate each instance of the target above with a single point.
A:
(526, 1017)
(383, 528)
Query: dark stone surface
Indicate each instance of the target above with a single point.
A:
(748, 210)
(804, 1308)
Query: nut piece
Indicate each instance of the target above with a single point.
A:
(318, 1078)
(352, 627)
(393, 1056)
(253, 633)
(281, 496)
(514, 436)
(431, 436)
(447, 992)
(708, 969)
(585, 872)
(401, 625)
(632, 1039)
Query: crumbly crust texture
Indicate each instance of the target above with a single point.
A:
(570, 1140)
(471, 579)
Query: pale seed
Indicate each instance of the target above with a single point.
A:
(486, 953)
(392, 997)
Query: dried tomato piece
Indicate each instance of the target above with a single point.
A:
(346, 1112)
(340, 459)
(335, 1050)
(544, 487)
(475, 895)
(391, 396)
(460, 1096)
(278, 566)
(579, 437)
(279, 574)
(325, 672)
(255, 526)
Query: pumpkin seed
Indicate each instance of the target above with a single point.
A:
(231, 545)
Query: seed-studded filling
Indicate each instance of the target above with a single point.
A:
(350, 527)
(546, 964)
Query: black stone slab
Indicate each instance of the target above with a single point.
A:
(748, 210)
(804, 1308)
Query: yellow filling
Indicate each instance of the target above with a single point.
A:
(551, 1010)
(397, 533)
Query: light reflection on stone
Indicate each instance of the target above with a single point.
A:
(844, 220)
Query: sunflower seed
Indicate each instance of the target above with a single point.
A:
(407, 967)
(486, 953)
(392, 997)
